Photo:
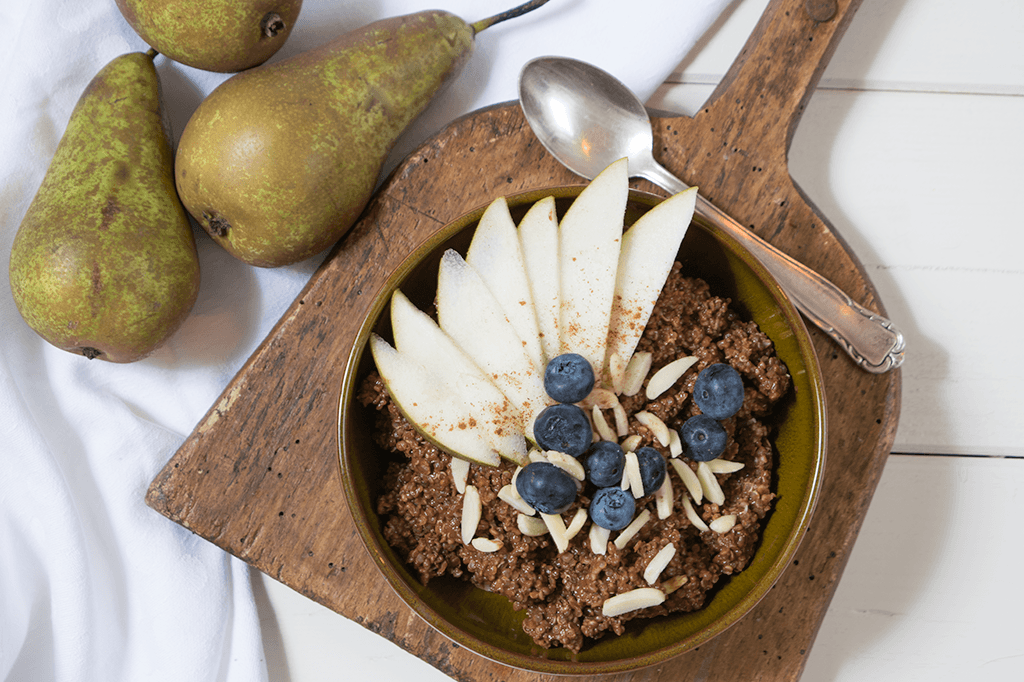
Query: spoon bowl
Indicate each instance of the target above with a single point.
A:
(583, 116)
(588, 119)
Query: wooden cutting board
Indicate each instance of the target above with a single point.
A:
(259, 476)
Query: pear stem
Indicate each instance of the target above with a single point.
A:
(508, 14)
(152, 53)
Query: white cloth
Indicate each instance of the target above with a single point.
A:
(93, 584)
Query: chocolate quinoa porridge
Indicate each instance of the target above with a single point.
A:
(563, 593)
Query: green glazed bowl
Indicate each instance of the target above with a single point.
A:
(486, 623)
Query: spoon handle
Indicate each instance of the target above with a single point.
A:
(873, 342)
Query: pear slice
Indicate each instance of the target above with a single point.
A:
(439, 415)
(538, 237)
(496, 255)
(418, 338)
(590, 236)
(468, 312)
(649, 248)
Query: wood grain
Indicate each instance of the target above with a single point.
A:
(259, 475)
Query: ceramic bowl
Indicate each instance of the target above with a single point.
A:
(486, 623)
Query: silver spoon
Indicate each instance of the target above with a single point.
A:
(587, 119)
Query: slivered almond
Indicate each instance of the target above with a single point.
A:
(617, 371)
(692, 514)
(632, 472)
(509, 492)
(509, 495)
(636, 371)
(631, 443)
(531, 525)
(689, 479)
(632, 529)
(724, 466)
(576, 525)
(486, 544)
(675, 445)
(723, 524)
(556, 527)
(599, 539)
(663, 499)
(658, 563)
(590, 422)
(640, 598)
(472, 510)
(515, 475)
(654, 423)
(601, 397)
(567, 463)
(601, 425)
(712, 490)
(460, 473)
(664, 378)
(621, 420)
(537, 456)
(673, 583)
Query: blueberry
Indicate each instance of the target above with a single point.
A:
(568, 378)
(612, 508)
(546, 488)
(652, 468)
(605, 463)
(718, 391)
(564, 428)
(703, 438)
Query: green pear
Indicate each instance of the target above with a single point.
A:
(104, 263)
(214, 35)
(279, 161)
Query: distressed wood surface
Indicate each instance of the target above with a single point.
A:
(259, 475)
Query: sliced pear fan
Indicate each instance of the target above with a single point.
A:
(472, 382)
(538, 238)
(649, 248)
(590, 236)
(419, 338)
(440, 416)
(496, 255)
(470, 315)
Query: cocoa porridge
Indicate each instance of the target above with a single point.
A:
(565, 593)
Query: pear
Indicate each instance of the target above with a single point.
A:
(104, 263)
(213, 35)
(279, 161)
(496, 255)
(471, 316)
(538, 239)
(418, 338)
(648, 250)
(442, 418)
(589, 245)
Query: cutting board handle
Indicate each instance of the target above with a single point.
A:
(778, 69)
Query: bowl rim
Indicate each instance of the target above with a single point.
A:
(571, 667)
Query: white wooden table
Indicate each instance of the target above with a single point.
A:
(913, 148)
